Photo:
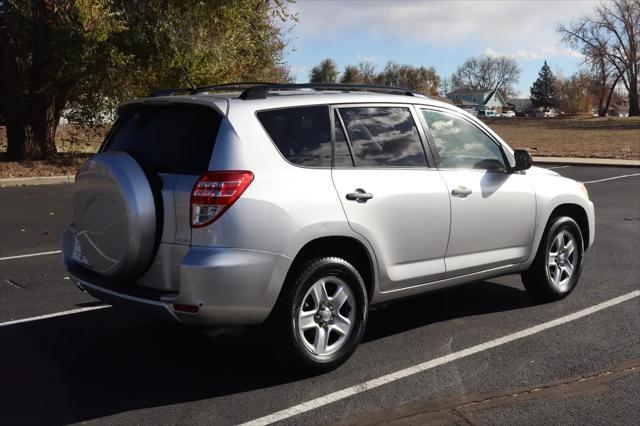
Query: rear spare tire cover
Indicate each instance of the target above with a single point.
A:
(115, 215)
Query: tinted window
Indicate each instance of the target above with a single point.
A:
(341, 152)
(176, 139)
(303, 134)
(383, 136)
(460, 144)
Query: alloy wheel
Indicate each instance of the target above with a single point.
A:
(327, 316)
(562, 260)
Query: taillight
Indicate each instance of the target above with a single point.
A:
(214, 193)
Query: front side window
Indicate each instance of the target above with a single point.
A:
(383, 136)
(460, 144)
(301, 134)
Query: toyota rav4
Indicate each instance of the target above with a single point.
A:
(301, 206)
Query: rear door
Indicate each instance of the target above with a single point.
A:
(492, 210)
(173, 143)
(389, 193)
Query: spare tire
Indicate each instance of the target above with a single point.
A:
(116, 218)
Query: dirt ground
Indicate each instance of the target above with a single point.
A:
(609, 137)
(595, 137)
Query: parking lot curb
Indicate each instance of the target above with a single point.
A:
(38, 180)
(586, 161)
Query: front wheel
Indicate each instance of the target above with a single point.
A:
(556, 268)
(322, 314)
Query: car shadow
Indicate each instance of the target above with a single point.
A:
(98, 363)
(483, 297)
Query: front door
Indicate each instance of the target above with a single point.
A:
(492, 210)
(389, 194)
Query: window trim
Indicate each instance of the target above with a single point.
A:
(456, 114)
(421, 136)
(335, 113)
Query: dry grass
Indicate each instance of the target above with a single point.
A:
(595, 137)
(563, 137)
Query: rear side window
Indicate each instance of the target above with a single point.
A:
(383, 136)
(167, 139)
(301, 134)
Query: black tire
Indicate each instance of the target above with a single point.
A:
(537, 279)
(284, 325)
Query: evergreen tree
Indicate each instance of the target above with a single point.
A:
(543, 91)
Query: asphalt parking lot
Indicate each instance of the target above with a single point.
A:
(102, 365)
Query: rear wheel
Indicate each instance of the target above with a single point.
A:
(322, 314)
(556, 268)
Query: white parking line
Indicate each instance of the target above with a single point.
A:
(612, 178)
(557, 167)
(57, 314)
(44, 253)
(428, 365)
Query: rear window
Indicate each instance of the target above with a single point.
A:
(301, 134)
(168, 139)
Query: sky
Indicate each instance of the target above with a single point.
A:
(434, 33)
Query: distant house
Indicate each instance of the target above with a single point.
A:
(522, 106)
(470, 107)
(492, 101)
(619, 107)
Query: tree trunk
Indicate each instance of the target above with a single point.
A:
(634, 106)
(605, 108)
(31, 133)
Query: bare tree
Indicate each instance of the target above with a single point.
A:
(367, 70)
(446, 86)
(604, 78)
(610, 39)
(487, 73)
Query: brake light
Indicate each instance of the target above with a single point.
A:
(214, 193)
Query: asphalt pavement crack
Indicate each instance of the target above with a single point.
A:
(13, 283)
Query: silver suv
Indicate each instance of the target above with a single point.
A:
(301, 206)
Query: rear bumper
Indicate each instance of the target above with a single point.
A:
(229, 286)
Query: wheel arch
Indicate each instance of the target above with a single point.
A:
(348, 248)
(575, 212)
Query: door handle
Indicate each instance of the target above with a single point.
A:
(361, 196)
(461, 192)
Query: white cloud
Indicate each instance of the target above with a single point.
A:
(524, 27)
(535, 54)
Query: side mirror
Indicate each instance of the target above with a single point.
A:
(524, 160)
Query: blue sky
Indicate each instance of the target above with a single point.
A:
(438, 33)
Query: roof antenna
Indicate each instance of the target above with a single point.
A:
(186, 75)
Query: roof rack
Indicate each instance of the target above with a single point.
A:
(232, 87)
(261, 91)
